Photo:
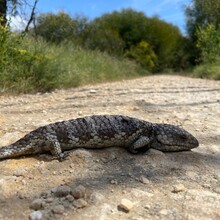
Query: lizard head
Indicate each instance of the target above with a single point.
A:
(173, 138)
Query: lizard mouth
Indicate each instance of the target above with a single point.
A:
(183, 147)
(171, 145)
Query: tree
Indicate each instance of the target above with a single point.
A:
(126, 31)
(200, 13)
(3, 12)
(59, 27)
(9, 8)
(130, 25)
(209, 43)
(32, 16)
(164, 39)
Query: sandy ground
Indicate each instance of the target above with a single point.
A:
(90, 184)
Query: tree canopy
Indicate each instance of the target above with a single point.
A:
(152, 42)
(201, 13)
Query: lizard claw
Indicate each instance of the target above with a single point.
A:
(63, 156)
(132, 150)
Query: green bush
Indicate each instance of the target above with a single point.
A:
(30, 65)
(60, 27)
(210, 71)
(117, 33)
(82, 66)
(143, 54)
(124, 30)
(208, 42)
(24, 65)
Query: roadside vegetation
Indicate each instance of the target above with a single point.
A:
(61, 51)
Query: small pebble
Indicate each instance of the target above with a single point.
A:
(72, 165)
(21, 196)
(59, 209)
(62, 191)
(37, 204)
(136, 108)
(114, 182)
(93, 91)
(79, 192)
(70, 198)
(144, 180)
(178, 188)
(49, 200)
(217, 190)
(80, 203)
(20, 172)
(163, 212)
(36, 215)
(154, 152)
(126, 204)
(147, 206)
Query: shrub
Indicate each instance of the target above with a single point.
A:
(24, 66)
(208, 41)
(38, 66)
(143, 54)
(211, 71)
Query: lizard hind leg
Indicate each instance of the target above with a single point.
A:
(52, 145)
(142, 143)
(56, 151)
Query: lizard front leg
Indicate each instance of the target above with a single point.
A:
(142, 141)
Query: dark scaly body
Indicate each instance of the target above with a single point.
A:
(100, 131)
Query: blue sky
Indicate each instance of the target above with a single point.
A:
(169, 10)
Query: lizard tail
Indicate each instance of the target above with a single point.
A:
(12, 151)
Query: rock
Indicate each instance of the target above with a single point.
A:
(178, 188)
(114, 182)
(79, 192)
(62, 191)
(80, 203)
(36, 215)
(70, 198)
(126, 205)
(154, 152)
(163, 212)
(217, 189)
(49, 200)
(58, 209)
(37, 204)
(147, 206)
(92, 91)
(20, 172)
(144, 180)
(136, 108)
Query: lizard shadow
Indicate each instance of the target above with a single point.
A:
(153, 165)
(115, 169)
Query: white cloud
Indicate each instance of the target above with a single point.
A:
(17, 23)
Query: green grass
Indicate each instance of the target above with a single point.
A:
(28, 65)
(36, 66)
(210, 71)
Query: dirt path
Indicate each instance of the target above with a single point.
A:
(184, 185)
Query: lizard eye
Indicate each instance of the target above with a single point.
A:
(184, 137)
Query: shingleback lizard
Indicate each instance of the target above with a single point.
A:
(100, 131)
